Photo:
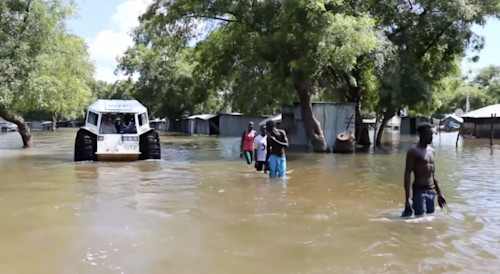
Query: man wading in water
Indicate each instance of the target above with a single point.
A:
(276, 144)
(420, 161)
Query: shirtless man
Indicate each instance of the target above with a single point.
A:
(277, 141)
(420, 161)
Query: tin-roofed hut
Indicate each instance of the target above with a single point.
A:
(482, 123)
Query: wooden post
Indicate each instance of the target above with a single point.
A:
(458, 136)
(492, 129)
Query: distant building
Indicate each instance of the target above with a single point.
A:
(71, 123)
(451, 122)
(334, 118)
(40, 125)
(234, 124)
(478, 123)
(276, 119)
(201, 124)
(224, 124)
(394, 123)
(160, 124)
(409, 124)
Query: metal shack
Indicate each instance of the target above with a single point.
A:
(225, 124)
(276, 119)
(201, 124)
(234, 124)
(478, 123)
(160, 124)
(410, 124)
(334, 118)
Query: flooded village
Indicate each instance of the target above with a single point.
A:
(270, 136)
(333, 212)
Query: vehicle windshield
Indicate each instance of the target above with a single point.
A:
(118, 123)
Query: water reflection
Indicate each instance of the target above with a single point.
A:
(201, 209)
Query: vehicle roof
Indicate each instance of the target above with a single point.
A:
(117, 106)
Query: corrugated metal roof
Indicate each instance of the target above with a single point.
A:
(203, 116)
(455, 117)
(484, 112)
(276, 118)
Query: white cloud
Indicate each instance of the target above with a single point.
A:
(107, 74)
(127, 15)
(110, 44)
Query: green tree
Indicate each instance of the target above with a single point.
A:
(27, 29)
(488, 79)
(166, 80)
(61, 81)
(425, 37)
(289, 41)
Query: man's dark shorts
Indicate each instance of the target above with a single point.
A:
(424, 201)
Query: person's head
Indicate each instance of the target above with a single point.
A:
(425, 133)
(106, 118)
(250, 126)
(128, 118)
(263, 130)
(270, 126)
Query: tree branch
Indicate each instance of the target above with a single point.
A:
(435, 40)
(405, 27)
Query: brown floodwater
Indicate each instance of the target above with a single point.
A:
(202, 210)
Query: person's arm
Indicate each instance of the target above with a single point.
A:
(408, 171)
(283, 141)
(268, 147)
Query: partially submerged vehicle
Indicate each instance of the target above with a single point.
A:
(116, 130)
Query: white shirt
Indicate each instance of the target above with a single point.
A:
(260, 144)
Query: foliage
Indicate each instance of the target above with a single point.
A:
(488, 79)
(27, 29)
(428, 36)
(261, 54)
(61, 81)
(166, 82)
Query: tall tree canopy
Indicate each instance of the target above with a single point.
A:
(41, 67)
(287, 43)
(61, 83)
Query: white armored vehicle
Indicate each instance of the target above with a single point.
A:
(116, 130)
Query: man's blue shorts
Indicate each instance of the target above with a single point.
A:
(277, 166)
(424, 201)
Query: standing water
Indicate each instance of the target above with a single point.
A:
(202, 210)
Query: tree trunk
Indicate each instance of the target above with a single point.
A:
(54, 121)
(23, 128)
(388, 114)
(354, 96)
(311, 124)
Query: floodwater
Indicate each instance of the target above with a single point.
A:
(202, 210)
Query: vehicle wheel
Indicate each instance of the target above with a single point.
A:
(85, 146)
(150, 146)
